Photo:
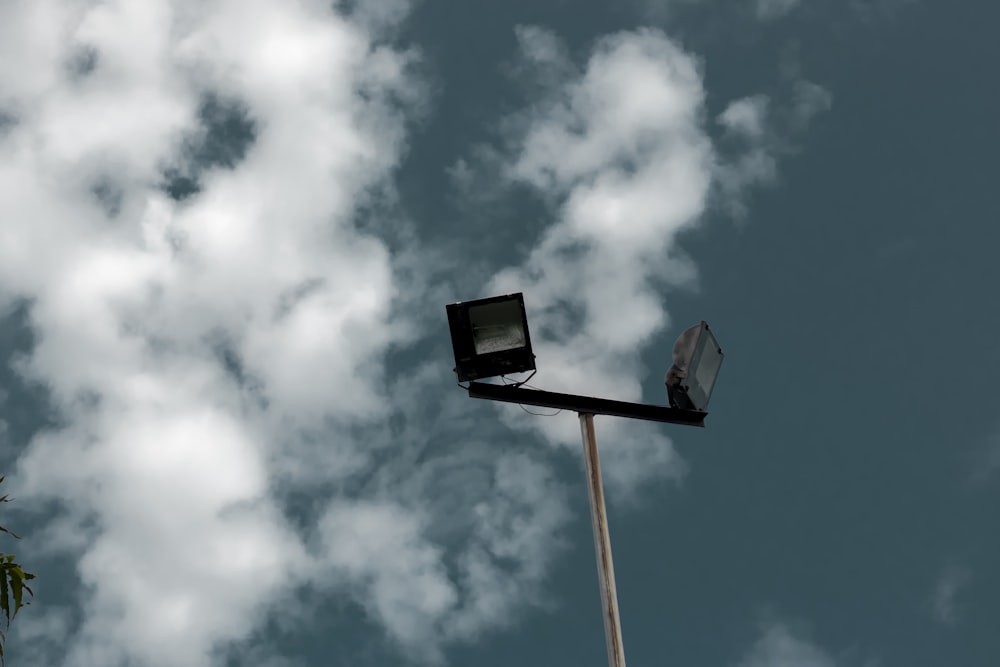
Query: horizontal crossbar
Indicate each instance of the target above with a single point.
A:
(586, 404)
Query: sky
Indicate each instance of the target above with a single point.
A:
(228, 233)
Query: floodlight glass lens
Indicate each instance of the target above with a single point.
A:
(708, 368)
(497, 327)
(685, 346)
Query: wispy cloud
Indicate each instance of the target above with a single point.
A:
(779, 646)
(944, 598)
(759, 130)
(773, 9)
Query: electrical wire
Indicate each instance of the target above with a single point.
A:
(521, 382)
(539, 414)
(503, 378)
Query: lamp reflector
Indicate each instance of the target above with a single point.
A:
(497, 327)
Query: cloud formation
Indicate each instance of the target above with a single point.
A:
(780, 647)
(757, 132)
(944, 603)
(189, 344)
(619, 151)
(180, 187)
(773, 9)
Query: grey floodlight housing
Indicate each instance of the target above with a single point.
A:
(697, 359)
(490, 337)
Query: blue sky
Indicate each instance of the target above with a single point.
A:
(228, 231)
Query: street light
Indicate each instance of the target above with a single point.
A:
(697, 358)
(490, 337)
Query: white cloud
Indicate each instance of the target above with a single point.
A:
(944, 604)
(746, 117)
(208, 355)
(418, 591)
(809, 99)
(212, 355)
(762, 131)
(620, 151)
(780, 647)
(167, 464)
(45, 633)
(541, 46)
(747, 121)
(384, 544)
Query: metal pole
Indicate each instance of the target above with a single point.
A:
(602, 544)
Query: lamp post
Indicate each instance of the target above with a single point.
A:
(490, 338)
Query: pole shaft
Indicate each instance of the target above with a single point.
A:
(602, 544)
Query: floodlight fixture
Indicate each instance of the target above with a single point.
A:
(697, 359)
(490, 337)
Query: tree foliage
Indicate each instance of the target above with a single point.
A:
(13, 584)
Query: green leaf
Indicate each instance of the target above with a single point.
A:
(4, 601)
(12, 581)
(17, 586)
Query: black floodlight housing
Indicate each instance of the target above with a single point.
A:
(696, 364)
(490, 337)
